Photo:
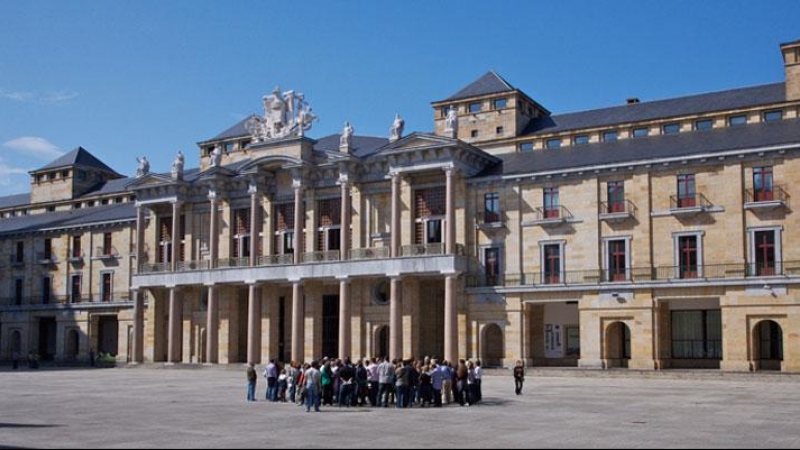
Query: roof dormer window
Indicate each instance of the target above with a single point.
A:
(475, 107)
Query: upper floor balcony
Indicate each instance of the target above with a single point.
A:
(490, 220)
(617, 211)
(766, 199)
(46, 259)
(109, 252)
(44, 301)
(369, 262)
(552, 216)
(666, 275)
(689, 205)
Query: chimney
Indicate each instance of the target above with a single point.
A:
(791, 63)
(633, 100)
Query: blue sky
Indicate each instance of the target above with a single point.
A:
(153, 77)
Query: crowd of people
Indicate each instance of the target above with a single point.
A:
(375, 383)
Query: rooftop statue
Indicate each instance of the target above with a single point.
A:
(144, 167)
(397, 128)
(286, 114)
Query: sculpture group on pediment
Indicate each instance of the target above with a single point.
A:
(286, 114)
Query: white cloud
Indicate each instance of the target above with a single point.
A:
(49, 98)
(7, 173)
(36, 147)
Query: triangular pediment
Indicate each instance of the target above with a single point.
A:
(418, 141)
(153, 179)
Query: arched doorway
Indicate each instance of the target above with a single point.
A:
(492, 345)
(618, 345)
(72, 345)
(382, 342)
(768, 339)
(16, 343)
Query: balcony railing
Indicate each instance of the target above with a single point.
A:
(232, 263)
(320, 257)
(639, 275)
(766, 199)
(276, 260)
(689, 205)
(423, 250)
(617, 211)
(62, 300)
(46, 259)
(76, 259)
(551, 216)
(192, 266)
(155, 268)
(360, 254)
(105, 253)
(490, 219)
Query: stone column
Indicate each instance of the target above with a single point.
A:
(396, 319)
(212, 327)
(298, 323)
(345, 319)
(255, 216)
(450, 319)
(213, 241)
(346, 219)
(396, 215)
(253, 325)
(268, 228)
(174, 353)
(140, 233)
(450, 218)
(138, 327)
(176, 238)
(299, 221)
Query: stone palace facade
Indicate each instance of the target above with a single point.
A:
(650, 235)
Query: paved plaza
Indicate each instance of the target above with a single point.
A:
(206, 408)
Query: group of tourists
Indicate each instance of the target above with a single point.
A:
(376, 383)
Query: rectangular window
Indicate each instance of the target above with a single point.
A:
(241, 238)
(581, 140)
(107, 288)
(552, 203)
(77, 251)
(688, 267)
(500, 130)
(765, 253)
(47, 290)
(474, 133)
(610, 136)
(618, 260)
(491, 209)
(640, 132)
(19, 286)
(553, 143)
(500, 103)
(763, 189)
(475, 107)
(243, 144)
(687, 191)
(704, 124)
(288, 243)
(75, 289)
(526, 147)
(20, 254)
(491, 261)
(735, 121)
(108, 247)
(48, 250)
(671, 128)
(573, 333)
(551, 273)
(616, 197)
(697, 334)
(434, 233)
(229, 146)
(773, 116)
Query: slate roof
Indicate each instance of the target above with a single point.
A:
(14, 200)
(80, 157)
(491, 83)
(661, 109)
(124, 212)
(630, 151)
(235, 131)
(363, 146)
